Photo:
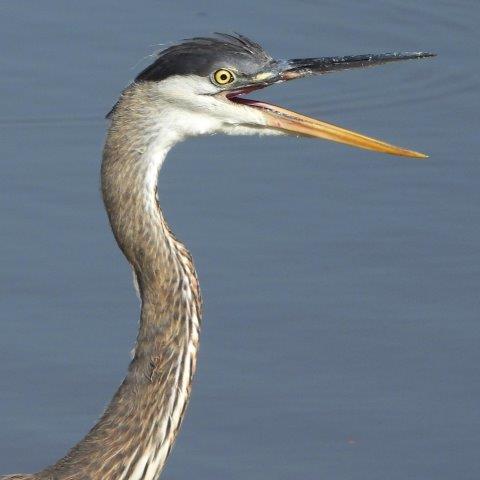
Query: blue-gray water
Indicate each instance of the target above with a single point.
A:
(341, 287)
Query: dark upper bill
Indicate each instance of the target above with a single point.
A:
(301, 67)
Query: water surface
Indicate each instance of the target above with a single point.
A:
(341, 324)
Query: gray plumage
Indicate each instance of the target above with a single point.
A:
(203, 55)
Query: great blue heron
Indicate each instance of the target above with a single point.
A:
(192, 88)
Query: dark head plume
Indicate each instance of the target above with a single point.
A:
(202, 55)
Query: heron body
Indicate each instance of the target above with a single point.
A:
(192, 88)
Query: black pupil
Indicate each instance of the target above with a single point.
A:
(223, 76)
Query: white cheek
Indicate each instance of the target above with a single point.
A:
(192, 123)
(190, 108)
(245, 130)
(185, 86)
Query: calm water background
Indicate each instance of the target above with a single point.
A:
(341, 327)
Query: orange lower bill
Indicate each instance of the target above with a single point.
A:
(291, 122)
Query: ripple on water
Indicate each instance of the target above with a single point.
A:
(443, 27)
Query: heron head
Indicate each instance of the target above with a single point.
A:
(199, 86)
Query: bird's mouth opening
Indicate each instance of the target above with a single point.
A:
(293, 123)
(236, 97)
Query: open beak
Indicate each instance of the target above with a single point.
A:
(297, 124)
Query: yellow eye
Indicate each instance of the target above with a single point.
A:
(222, 76)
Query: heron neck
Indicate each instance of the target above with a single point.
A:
(134, 436)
